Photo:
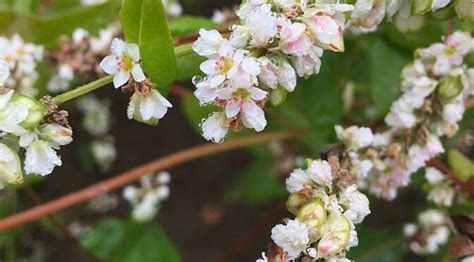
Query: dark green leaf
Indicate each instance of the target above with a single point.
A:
(430, 33)
(378, 245)
(188, 66)
(385, 64)
(144, 23)
(187, 25)
(256, 185)
(46, 30)
(104, 239)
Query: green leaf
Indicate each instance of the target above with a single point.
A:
(144, 23)
(385, 64)
(46, 30)
(378, 245)
(188, 66)
(187, 25)
(430, 33)
(462, 166)
(104, 239)
(256, 185)
(146, 242)
(123, 240)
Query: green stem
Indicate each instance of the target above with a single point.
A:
(179, 51)
(183, 50)
(82, 90)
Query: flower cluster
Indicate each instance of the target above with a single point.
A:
(434, 89)
(147, 198)
(277, 42)
(97, 122)
(409, 15)
(25, 135)
(327, 205)
(22, 59)
(431, 232)
(147, 105)
(441, 190)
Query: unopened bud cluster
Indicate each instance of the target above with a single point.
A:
(434, 89)
(277, 42)
(431, 232)
(147, 198)
(28, 144)
(327, 205)
(18, 61)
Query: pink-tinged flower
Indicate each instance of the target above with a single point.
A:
(208, 43)
(224, 66)
(123, 62)
(309, 63)
(241, 97)
(277, 72)
(205, 93)
(294, 40)
(326, 28)
(368, 13)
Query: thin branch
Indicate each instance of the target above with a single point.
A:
(135, 173)
(450, 175)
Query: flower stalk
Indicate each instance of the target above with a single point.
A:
(179, 51)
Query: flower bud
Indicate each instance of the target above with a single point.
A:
(10, 166)
(296, 201)
(410, 24)
(278, 96)
(148, 108)
(36, 110)
(326, 29)
(464, 10)
(419, 7)
(56, 135)
(450, 87)
(443, 14)
(337, 223)
(313, 215)
(333, 243)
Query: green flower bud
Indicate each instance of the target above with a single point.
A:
(465, 10)
(449, 87)
(419, 7)
(278, 96)
(296, 201)
(443, 14)
(410, 24)
(333, 243)
(337, 223)
(313, 215)
(36, 110)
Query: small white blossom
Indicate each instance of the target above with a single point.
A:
(41, 159)
(208, 43)
(292, 238)
(148, 108)
(297, 180)
(4, 72)
(320, 172)
(10, 166)
(123, 62)
(355, 137)
(213, 128)
(357, 204)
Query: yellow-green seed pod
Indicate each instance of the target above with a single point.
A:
(465, 10)
(450, 87)
(337, 223)
(333, 243)
(313, 215)
(278, 96)
(419, 7)
(410, 24)
(36, 110)
(295, 201)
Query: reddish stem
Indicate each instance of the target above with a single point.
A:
(137, 172)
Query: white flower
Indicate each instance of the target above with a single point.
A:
(12, 114)
(308, 64)
(148, 108)
(297, 180)
(60, 82)
(213, 128)
(357, 204)
(294, 40)
(123, 62)
(163, 177)
(320, 172)
(4, 72)
(276, 73)
(434, 176)
(104, 152)
(442, 195)
(224, 66)
(240, 36)
(55, 134)
(97, 115)
(410, 230)
(262, 26)
(240, 98)
(355, 137)
(79, 34)
(248, 8)
(368, 13)
(326, 28)
(292, 238)
(10, 166)
(431, 218)
(40, 158)
(453, 112)
(208, 43)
